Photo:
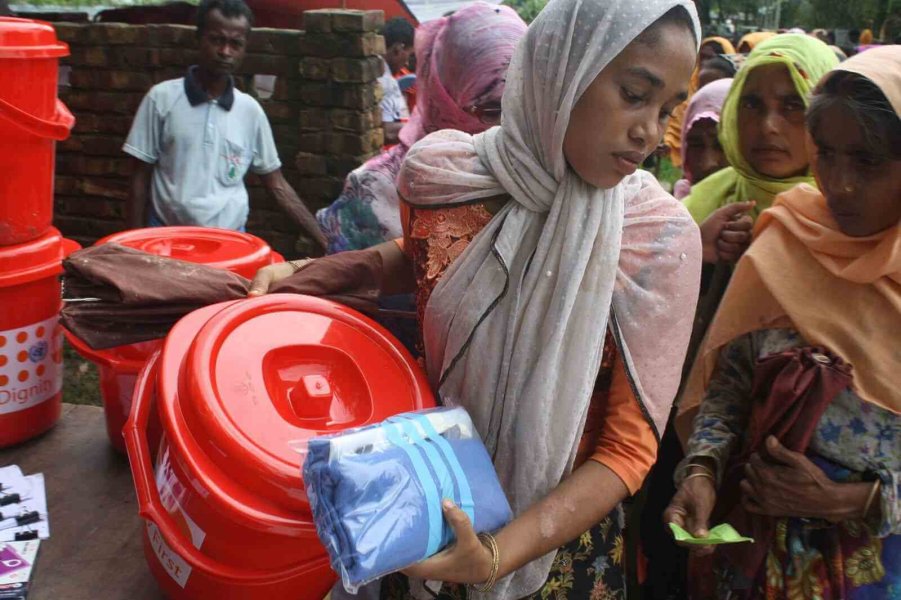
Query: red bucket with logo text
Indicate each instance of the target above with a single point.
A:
(237, 386)
(31, 361)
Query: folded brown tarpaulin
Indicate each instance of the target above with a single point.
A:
(116, 295)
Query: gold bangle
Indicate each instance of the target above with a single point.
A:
(488, 540)
(703, 468)
(705, 473)
(871, 497)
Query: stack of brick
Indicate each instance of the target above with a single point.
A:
(323, 111)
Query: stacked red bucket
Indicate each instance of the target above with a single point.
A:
(118, 367)
(238, 389)
(32, 120)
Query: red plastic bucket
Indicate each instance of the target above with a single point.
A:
(31, 373)
(32, 119)
(238, 252)
(238, 387)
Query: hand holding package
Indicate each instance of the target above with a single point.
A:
(376, 491)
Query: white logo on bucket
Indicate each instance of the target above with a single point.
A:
(171, 493)
(31, 365)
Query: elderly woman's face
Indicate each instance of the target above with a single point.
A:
(863, 190)
(621, 117)
(771, 130)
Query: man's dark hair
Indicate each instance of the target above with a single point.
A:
(398, 31)
(230, 9)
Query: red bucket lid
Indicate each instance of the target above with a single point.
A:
(245, 382)
(27, 38)
(34, 260)
(238, 252)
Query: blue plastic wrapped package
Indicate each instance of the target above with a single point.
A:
(376, 491)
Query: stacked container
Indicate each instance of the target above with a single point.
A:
(237, 252)
(32, 120)
(239, 388)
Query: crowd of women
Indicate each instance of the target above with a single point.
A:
(739, 344)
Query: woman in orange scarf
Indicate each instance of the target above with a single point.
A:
(750, 41)
(710, 48)
(822, 280)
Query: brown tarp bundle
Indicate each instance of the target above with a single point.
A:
(116, 295)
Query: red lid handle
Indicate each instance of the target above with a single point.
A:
(150, 506)
(56, 129)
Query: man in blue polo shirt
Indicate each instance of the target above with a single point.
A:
(196, 137)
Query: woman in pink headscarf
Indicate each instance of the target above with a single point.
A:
(702, 154)
(462, 62)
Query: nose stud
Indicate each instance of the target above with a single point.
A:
(849, 188)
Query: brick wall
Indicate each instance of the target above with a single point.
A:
(323, 111)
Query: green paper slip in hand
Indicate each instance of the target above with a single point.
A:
(721, 534)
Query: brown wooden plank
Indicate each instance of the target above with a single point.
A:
(94, 550)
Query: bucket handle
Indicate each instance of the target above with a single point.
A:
(57, 128)
(150, 506)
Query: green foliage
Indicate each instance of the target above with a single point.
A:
(848, 15)
(667, 174)
(809, 14)
(527, 9)
(81, 383)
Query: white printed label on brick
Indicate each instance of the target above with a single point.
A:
(31, 365)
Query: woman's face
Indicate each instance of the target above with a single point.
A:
(621, 117)
(863, 190)
(703, 154)
(771, 131)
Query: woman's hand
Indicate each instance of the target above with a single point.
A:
(726, 233)
(466, 561)
(690, 509)
(272, 274)
(782, 483)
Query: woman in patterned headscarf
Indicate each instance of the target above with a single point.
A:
(763, 134)
(546, 266)
(462, 62)
(545, 261)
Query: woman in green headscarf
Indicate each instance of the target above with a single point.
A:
(763, 134)
(765, 107)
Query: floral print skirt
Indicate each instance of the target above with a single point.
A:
(828, 562)
(588, 568)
